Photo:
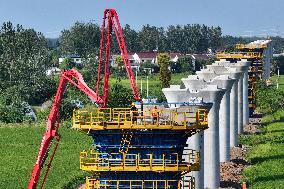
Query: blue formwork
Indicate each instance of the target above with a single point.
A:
(156, 142)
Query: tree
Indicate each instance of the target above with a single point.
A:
(82, 39)
(131, 39)
(164, 74)
(119, 71)
(24, 59)
(183, 64)
(268, 98)
(119, 96)
(278, 62)
(151, 38)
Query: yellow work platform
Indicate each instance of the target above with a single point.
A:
(251, 46)
(106, 118)
(101, 162)
(134, 184)
(238, 55)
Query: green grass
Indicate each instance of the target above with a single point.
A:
(280, 80)
(267, 155)
(152, 79)
(19, 147)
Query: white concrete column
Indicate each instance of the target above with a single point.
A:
(224, 124)
(240, 105)
(234, 115)
(245, 103)
(211, 149)
(211, 137)
(196, 142)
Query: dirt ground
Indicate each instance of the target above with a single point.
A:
(231, 171)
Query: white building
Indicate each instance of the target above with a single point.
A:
(136, 59)
(75, 58)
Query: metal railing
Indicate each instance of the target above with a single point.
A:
(177, 119)
(143, 184)
(238, 55)
(100, 162)
(251, 46)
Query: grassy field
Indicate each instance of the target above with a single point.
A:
(19, 147)
(152, 79)
(267, 154)
(280, 80)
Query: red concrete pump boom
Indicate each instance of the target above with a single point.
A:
(113, 25)
(75, 78)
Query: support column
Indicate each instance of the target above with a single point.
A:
(211, 149)
(234, 115)
(245, 103)
(224, 133)
(196, 142)
(240, 105)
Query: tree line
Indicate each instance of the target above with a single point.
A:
(84, 39)
(26, 54)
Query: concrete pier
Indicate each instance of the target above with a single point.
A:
(241, 66)
(224, 85)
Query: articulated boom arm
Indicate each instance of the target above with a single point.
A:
(114, 25)
(75, 78)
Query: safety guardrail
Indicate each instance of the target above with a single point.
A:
(118, 118)
(251, 46)
(238, 55)
(143, 184)
(101, 162)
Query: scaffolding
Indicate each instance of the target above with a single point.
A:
(257, 53)
(133, 150)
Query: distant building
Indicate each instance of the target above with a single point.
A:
(75, 58)
(199, 57)
(138, 58)
(52, 71)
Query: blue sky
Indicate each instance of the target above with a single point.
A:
(236, 17)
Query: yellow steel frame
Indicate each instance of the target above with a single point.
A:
(251, 46)
(134, 184)
(102, 119)
(238, 55)
(101, 162)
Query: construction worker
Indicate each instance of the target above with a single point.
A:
(134, 113)
(155, 115)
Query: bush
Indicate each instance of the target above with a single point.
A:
(268, 98)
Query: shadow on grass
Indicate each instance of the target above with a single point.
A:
(269, 178)
(276, 131)
(257, 160)
(230, 184)
(240, 161)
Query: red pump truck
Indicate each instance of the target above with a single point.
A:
(76, 79)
